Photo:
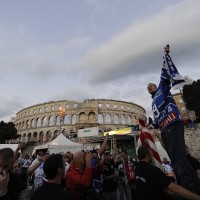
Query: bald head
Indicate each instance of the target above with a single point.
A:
(79, 159)
(78, 155)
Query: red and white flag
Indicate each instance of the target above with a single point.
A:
(146, 139)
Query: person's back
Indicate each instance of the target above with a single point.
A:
(51, 191)
(150, 180)
(52, 188)
(152, 183)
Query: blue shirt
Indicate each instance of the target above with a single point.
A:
(165, 110)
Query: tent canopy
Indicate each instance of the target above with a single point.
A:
(12, 146)
(60, 144)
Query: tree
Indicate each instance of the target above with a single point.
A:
(7, 131)
(191, 95)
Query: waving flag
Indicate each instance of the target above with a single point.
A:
(170, 72)
(146, 139)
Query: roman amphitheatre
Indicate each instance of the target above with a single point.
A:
(43, 122)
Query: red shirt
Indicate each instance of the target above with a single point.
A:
(77, 182)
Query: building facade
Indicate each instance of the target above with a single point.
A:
(43, 122)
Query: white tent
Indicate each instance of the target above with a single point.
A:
(12, 146)
(60, 144)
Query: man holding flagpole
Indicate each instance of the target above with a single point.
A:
(168, 119)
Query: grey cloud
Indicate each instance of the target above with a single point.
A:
(8, 107)
(138, 49)
(40, 62)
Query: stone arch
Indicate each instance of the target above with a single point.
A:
(51, 121)
(35, 135)
(116, 119)
(27, 123)
(129, 120)
(64, 131)
(66, 119)
(38, 122)
(123, 119)
(29, 136)
(44, 121)
(82, 117)
(108, 119)
(20, 125)
(57, 120)
(55, 134)
(48, 136)
(91, 116)
(41, 136)
(134, 119)
(32, 123)
(74, 119)
(100, 118)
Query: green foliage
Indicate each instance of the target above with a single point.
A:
(7, 131)
(191, 95)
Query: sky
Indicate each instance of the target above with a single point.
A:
(79, 49)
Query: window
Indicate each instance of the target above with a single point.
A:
(123, 119)
(100, 118)
(73, 119)
(38, 122)
(116, 119)
(44, 121)
(66, 119)
(57, 120)
(108, 119)
(51, 121)
(129, 120)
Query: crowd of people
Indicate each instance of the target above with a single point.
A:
(100, 174)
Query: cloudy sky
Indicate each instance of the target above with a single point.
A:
(78, 49)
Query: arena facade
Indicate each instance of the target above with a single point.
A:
(43, 122)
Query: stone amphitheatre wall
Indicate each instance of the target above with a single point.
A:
(42, 122)
(192, 139)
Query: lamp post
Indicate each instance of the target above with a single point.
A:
(61, 116)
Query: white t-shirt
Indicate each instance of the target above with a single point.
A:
(39, 174)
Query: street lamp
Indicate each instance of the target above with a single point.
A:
(61, 116)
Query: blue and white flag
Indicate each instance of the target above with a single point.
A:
(170, 72)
